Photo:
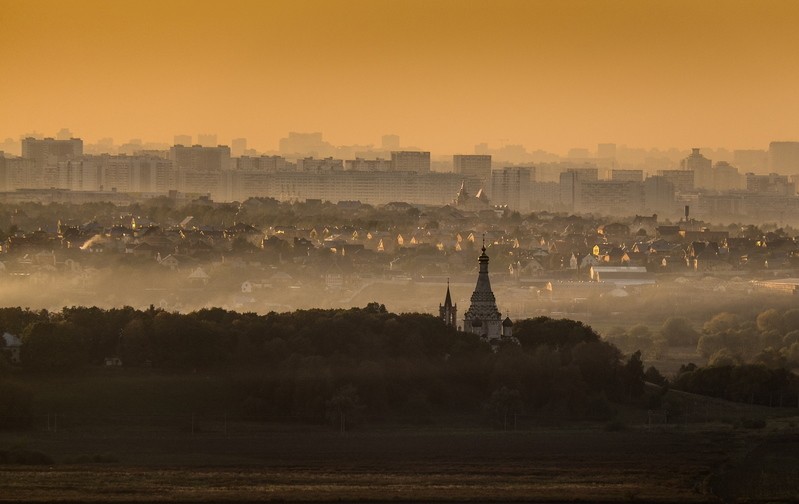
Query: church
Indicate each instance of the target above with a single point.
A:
(482, 318)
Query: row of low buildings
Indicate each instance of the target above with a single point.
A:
(553, 242)
(257, 267)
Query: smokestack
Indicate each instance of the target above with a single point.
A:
(687, 210)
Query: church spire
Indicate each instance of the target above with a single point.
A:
(483, 260)
(448, 311)
(483, 317)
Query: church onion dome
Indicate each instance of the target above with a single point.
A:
(507, 322)
(477, 323)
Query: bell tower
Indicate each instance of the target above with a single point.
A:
(448, 312)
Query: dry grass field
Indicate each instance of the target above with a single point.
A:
(134, 438)
(273, 463)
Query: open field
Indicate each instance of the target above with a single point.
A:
(580, 463)
(148, 436)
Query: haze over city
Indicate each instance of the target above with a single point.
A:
(399, 251)
(444, 75)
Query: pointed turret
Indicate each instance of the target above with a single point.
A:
(507, 328)
(462, 196)
(448, 312)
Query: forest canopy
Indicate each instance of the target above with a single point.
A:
(297, 364)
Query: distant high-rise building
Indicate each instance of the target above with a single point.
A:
(659, 195)
(184, 140)
(19, 173)
(702, 168)
(319, 165)
(361, 164)
(238, 146)
(63, 134)
(390, 142)
(475, 168)
(304, 144)
(783, 157)
(410, 161)
(772, 183)
(627, 175)
(681, 180)
(512, 186)
(606, 151)
(726, 177)
(264, 164)
(10, 146)
(200, 158)
(207, 139)
(579, 153)
(545, 196)
(611, 197)
(570, 182)
(751, 160)
(50, 151)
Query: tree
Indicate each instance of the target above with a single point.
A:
(721, 322)
(503, 403)
(791, 338)
(344, 402)
(771, 358)
(769, 320)
(48, 346)
(375, 307)
(633, 376)
(652, 375)
(790, 319)
(723, 357)
(677, 331)
(598, 363)
(134, 343)
(558, 333)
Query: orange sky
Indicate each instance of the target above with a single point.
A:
(444, 75)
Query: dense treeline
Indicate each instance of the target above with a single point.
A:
(307, 364)
(751, 358)
(761, 336)
(748, 383)
(771, 338)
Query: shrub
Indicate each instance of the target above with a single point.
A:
(652, 375)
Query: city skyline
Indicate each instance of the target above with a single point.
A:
(287, 141)
(442, 75)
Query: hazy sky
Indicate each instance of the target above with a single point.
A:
(444, 75)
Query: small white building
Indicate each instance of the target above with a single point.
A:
(622, 275)
(12, 347)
